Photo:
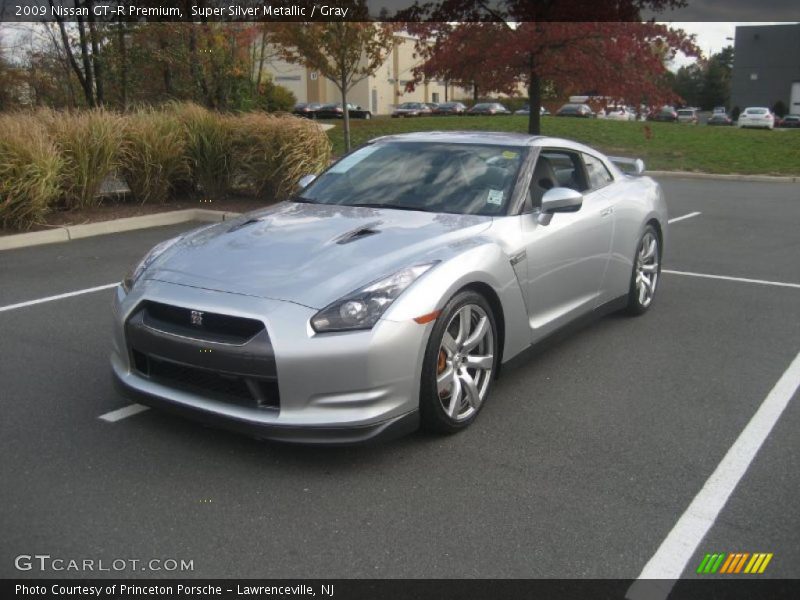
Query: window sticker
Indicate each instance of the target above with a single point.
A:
(348, 162)
(495, 197)
(510, 155)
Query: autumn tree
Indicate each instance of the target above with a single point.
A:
(577, 45)
(344, 52)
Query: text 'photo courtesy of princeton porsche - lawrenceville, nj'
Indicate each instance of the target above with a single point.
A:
(454, 299)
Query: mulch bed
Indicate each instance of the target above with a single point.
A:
(118, 208)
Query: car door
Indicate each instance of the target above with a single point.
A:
(567, 258)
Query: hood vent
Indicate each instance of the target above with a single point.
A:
(243, 224)
(357, 234)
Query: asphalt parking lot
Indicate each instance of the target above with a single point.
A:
(581, 466)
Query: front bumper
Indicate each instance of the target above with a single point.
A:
(330, 388)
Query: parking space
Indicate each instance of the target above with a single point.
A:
(581, 465)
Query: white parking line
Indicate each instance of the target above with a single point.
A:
(682, 217)
(58, 297)
(677, 549)
(739, 279)
(122, 413)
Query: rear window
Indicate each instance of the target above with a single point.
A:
(686, 113)
(756, 111)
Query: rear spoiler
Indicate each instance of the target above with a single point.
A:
(629, 166)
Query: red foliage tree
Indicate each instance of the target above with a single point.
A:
(577, 45)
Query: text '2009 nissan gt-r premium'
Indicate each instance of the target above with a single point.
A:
(388, 292)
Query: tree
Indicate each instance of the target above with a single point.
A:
(344, 52)
(577, 45)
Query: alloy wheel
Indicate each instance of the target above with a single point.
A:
(647, 269)
(464, 362)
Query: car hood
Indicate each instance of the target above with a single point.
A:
(311, 254)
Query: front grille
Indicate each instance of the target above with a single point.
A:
(251, 391)
(213, 326)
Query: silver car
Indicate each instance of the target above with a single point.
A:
(391, 289)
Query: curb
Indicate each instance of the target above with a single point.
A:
(724, 177)
(76, 232)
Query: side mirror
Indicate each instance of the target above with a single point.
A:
(556, 200)
(304, 181)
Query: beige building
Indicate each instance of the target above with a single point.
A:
(379, 93)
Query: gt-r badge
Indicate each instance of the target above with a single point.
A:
(196, 318)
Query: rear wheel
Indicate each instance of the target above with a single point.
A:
(646, 272)
(460, 362)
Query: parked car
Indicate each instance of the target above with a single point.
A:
(334, 111)
(575, 110)
(526, 110)
(488, 108)
(719, 110)
(412, 109)
(617, 113)
(720, 119)
(450, 108)
(789, 122)
(688, 115)
(306, 109)
(432, 105)
(389, 290)
(665, 113)
(757, 117)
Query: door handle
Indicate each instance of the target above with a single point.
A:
(607, 211)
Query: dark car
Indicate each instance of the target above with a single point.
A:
(450, 108)
(720, 119)
(666, 113)
(306, 109)
(789, 122)
(488, 108)
(575, 110)
(334, 111)
(412, 109)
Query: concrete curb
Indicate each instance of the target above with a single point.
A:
(75, 232)
(726, 177)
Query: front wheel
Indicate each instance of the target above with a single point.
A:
(460, 362)
(646, 272)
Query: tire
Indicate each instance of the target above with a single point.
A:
(646, 272)
(447, 359)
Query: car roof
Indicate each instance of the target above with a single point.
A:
(497, 138)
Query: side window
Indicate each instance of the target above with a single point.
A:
(555, 168)
(596, 172)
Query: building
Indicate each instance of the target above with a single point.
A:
(380, 92)
(766, 66)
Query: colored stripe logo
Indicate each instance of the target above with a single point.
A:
(734, 563)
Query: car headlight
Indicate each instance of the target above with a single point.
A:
(362, 308)
(136, 272)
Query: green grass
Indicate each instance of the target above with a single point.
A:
(668, 146)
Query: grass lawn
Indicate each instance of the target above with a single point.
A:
(669, 146)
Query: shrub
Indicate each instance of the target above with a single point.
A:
(273, 152)
(209, 147)
(779, 108)
(29, 171)
(89, 144)
(153, 157)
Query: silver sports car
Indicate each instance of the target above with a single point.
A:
(390, 290)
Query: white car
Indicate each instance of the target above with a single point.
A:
(756, 116)
(619, 113)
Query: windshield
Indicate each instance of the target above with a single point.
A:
(686, 113)
(469, 179)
